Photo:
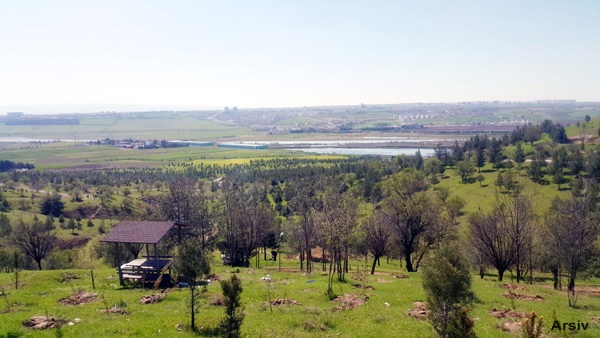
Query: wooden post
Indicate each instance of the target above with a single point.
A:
(156, 258)
(93, 284)
(119, 263)
(147, 252)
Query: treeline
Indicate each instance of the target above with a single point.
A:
(6, 165)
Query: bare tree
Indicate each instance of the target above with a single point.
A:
(418, 216)
(491, 238)
(34, 241)
(379, 237)
(245, 223)
(335, 218)
(304, 230)
(573, 230)
(515, 213)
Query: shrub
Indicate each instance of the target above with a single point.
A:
(447, 283)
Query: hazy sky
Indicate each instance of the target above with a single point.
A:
(295, 53)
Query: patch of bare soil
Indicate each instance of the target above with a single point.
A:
(214, 277)
(512, 327)
(282, 301)
(419, 311)
(511, 287)
(249, 271)
(217, 301)
(68, 277)
(379, 280)
(364, 287)
(595, 320)
(350, 301)
(115, 309)
(43, 322)
(522, 296)
(400, 276)
(79, 297)
(151, 299)
(507, 314)
(588, 291)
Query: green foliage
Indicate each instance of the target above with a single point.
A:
(190, 262)
(465, 169)
(5, 228)
(447, 283)
(230, 326)
(519, 154)
(52, 205)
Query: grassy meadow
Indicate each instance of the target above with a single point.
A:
(40, 291)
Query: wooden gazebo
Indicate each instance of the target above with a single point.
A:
(149, 268)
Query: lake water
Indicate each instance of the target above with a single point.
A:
(333, 143)
(427, 152)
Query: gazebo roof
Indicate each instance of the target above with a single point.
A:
(139, 232)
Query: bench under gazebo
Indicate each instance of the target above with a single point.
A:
(149, 267)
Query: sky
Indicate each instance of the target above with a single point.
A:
(295, 53)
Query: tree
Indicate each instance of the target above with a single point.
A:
(244, 223)
(447, 283)
(480, 179)
(587, 118)
(34, 241)
(301, 204)
(184, 204)
(532, 134)
(191, 264)
(465, 169)
(230, 326)
(492, 240)
(52, 205)
(433, 166)
(457, 153)
(5, 228)
(418, 160)
(335, 218)
(558, 178)
(417, 216)
(480, 158)
(495, 155)
(515, 213)
(572, 229)
(71, 225)
(379, 237)
(90, 224)
(519, 154)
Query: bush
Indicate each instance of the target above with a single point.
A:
(447, 283)
(234, 314)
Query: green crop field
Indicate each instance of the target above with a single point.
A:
(135, 127)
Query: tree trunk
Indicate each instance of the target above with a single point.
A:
(571, 283)
(192, 307)
(378, 261)
(500, 274)
(409, 266)
(555, 277)
(373, 268)
(39, 263)
(481, 271)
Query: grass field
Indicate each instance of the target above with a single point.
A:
(158, 127)
(40, 291)
(65, 155)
